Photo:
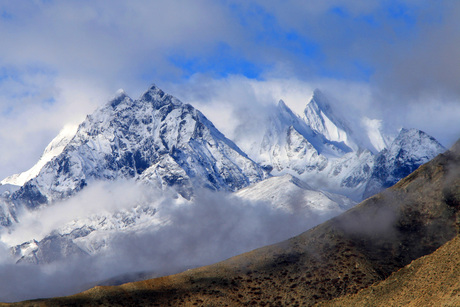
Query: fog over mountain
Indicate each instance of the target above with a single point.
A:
(212, 228)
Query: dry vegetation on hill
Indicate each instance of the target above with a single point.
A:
(433, 280)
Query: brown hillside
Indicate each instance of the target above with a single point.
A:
(339, 257)
(433, 280)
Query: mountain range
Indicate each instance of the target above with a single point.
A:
(398, 247)
(313, 161)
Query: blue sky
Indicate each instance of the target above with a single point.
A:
(390, 60)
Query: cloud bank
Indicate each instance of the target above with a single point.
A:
(181, 235)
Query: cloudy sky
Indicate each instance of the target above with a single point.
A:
(391, 60)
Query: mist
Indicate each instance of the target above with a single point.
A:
(181, 235)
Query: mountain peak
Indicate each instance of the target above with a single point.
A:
(119, 97)
(155, 139)
(408, 137)
(319, 117)
(158, 97)
(285, 112)
(410, 149)
(282, 104)
(152, 93)
(320, 101)
(120, 92)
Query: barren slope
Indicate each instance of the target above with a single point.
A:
(433, 280)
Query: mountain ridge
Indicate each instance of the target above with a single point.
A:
(320, 149)
(99, 151)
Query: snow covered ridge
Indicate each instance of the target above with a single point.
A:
(404, 155)
(321, 149)
(54, 148)
(155, 139)
(161, 141)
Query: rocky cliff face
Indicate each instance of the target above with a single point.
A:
(155, 139)
(406, 153)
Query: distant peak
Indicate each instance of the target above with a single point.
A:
(318, 104)
(404, 132)
(284, 112)
(282, 107)
(153, 87)
(409, 136)
(317, 92)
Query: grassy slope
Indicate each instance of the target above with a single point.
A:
(432, 280)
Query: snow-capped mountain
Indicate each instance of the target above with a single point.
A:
(156, 139)
(54, 148)
(406, 153)
(321, 149)
(316, 163)
(90, 235)
(319, 116)
(294, 195)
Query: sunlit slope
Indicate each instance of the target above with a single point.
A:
(432, 280)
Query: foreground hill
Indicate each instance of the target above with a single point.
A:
(432, 280)
(348, 253)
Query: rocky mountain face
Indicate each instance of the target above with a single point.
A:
(159, 140)
(155, 139)
(406, 153)
(363, 246)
